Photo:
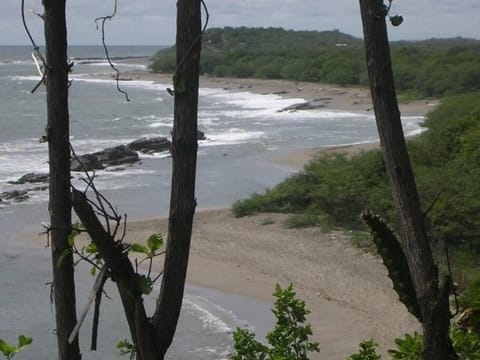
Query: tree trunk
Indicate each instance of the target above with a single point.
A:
(432, 298)
(59, 162)
(184, 156)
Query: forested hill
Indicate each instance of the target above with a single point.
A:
(428, 68)
(272, 40)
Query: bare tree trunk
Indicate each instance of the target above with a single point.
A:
(432, 296)
(59, 160)
(152, 337)
(184, 155)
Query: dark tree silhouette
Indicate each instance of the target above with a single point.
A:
(57, 135)
(432, 294)
(152, 336)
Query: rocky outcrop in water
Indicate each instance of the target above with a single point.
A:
(117, 155)
(314, 104)
(150, 145)
(31, 178)
(201, 135)
(14, 195)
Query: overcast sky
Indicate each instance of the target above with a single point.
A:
(152, 22)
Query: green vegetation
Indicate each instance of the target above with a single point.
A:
(10, 350)
(446, 161)
(295, 221)
(431, 68)
(288, 340)
(290, 337)
(466, 345)
(368, 351)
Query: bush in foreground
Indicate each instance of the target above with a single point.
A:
(288, 340)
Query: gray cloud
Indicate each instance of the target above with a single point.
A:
(153, 21)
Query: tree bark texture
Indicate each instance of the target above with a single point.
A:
(59, 162)
(431, 295)
(184, 157)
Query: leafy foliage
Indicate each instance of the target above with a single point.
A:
(9, 350)
(368, 351)
(408, 348)
(289, 340)
(127, 348)
(466, 345)
(423, 69)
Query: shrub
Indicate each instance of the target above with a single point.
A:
(288, 340)
(368, 351)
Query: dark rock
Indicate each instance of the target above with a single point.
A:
(31, 178)
(87, 162)
(15, 195)
(117, 155)
(39, 188)
(307, 105)
(201, 135)
(150, 145)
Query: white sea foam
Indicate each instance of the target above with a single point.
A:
(208, 313)
(231, 136)
(25, 78)
(16, 62)
(116, 64)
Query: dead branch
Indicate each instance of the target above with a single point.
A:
(104, 19)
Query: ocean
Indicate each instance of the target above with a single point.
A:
(245, 133)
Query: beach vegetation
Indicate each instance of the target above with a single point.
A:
(446, 162)
(409, 347)
(290, 338)
(422, 69)
(295, 221)
(10, 350)
(368, 351)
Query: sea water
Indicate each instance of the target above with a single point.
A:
(245, 133)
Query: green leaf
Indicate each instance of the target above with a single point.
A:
(144, 284)
(7, 349)
(93, 270)
(74, 232)
(139, 248)
(64, 255)
(155, 242)
(24, 341)
(91, 248)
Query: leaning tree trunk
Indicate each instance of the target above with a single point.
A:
(184, 156)
(432, 296)
(59, 162)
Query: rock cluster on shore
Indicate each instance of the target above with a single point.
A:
(100, 160)
(314, 104)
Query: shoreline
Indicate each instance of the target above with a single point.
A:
(335, 98)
